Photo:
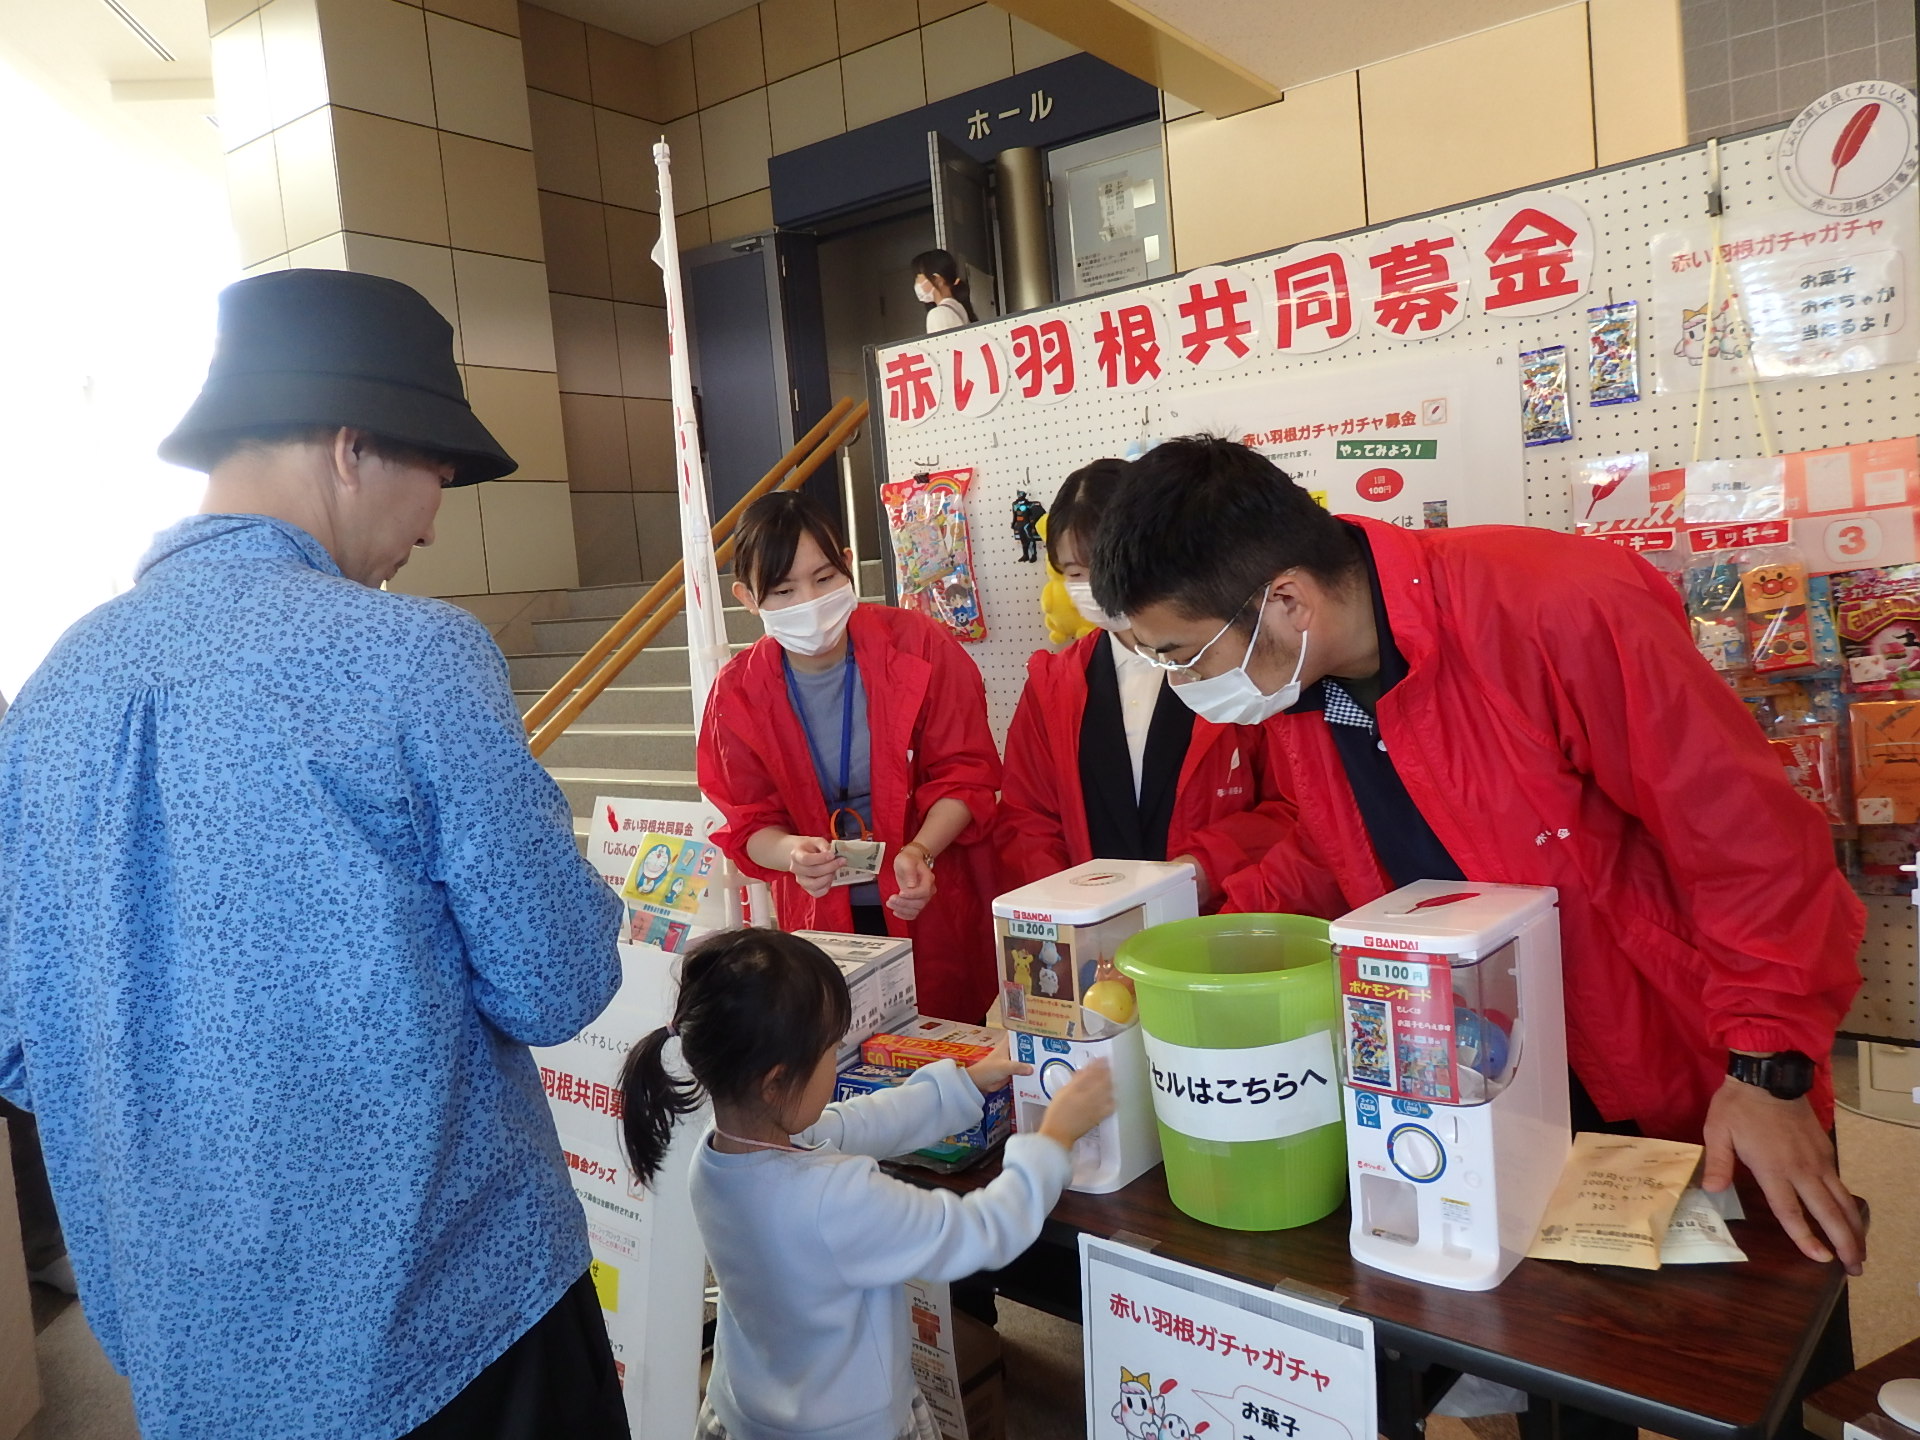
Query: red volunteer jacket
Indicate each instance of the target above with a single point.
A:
(1227, 809)
(927, 714)
(1557, 727)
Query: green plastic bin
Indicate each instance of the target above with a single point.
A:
(1235, 982)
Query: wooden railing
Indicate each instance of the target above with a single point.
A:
(604, 661)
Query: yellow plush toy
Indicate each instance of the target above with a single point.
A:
(1064, 621)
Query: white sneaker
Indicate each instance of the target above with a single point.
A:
(58, 1275)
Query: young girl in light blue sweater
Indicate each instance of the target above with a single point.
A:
(809, 1239)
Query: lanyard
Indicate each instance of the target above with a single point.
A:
(847, 678)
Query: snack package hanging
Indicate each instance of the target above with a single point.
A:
(1810, 754)
(1748, 596)
(1779, 632)
(1613, 353)
(1886, 762)
(933, 551)
(1546, 418)
(1877, 613)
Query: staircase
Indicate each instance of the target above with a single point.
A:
(636, 739)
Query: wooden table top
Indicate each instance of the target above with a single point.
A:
(1828, 1411)
(1698, 1352)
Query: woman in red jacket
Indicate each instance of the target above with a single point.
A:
(1104, 761)
(853, 722)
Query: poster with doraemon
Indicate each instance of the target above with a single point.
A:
(1174, 1353)
(665, 888)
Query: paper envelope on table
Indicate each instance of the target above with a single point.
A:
(1616, 1197)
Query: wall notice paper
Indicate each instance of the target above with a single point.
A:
(648, 1264)
(1615, 1201)
(1425, 444)
(1170, 1348)
(1792, 295)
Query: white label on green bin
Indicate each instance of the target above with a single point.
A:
(1264, 1092)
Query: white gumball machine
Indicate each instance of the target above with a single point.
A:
(1456, 1076)
(1065, 1005)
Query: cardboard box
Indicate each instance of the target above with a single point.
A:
(879, 973)
(19, 1361)
(983, 1381)
(924, 1039)
(954, 1152)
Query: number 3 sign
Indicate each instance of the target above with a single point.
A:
(1858, 541)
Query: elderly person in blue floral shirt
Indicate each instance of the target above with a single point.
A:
(284, 899)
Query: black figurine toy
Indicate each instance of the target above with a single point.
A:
(1027, 515)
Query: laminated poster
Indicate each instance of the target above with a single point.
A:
(665, 889)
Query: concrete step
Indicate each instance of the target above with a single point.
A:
(583, 783)
(652, 747)
(655, 665)
(577, 634)
(630, 705)
(610, 601)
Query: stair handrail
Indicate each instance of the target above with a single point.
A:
(549, 716)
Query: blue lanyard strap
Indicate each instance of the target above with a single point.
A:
(846, 720)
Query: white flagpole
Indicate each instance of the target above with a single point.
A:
(707, 648)
(706, 624)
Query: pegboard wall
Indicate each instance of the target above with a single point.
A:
(1034, 446)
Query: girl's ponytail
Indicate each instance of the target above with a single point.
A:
(652, 1100)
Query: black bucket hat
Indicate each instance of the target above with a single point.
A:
(331, 347)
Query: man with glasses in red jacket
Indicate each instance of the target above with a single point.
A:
(1519, 706)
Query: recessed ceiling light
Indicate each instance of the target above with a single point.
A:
(140, 30)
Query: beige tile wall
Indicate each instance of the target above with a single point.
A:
(394, 138)
(597, 108)
(1596, 83)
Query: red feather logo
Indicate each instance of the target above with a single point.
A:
(1851, 139)
(613, 820)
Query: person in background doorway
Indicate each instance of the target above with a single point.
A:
(939, 284)
(284, 899)
(1511, 705)
(1103, 761)
(853, 722)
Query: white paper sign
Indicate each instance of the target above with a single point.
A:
(1170, 1348)
(1262, 1092)
(1424, 443)
(1792, 296)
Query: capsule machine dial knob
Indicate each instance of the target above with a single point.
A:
(1053, 1074)
(1416, 1152)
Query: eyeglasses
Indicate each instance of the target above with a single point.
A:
(1181, 670)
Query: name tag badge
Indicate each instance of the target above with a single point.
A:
(859, 861)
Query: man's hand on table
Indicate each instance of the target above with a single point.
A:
(1782, 1143)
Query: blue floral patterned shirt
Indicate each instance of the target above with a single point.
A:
(284, 899)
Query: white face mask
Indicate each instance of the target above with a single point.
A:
(1081, 593)
(1233, 698)
(814, 626)
(924, 292)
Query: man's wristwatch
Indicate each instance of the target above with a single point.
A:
(1785, 1074)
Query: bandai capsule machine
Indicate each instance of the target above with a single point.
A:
(1065, 1005)
(1456, 1083)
